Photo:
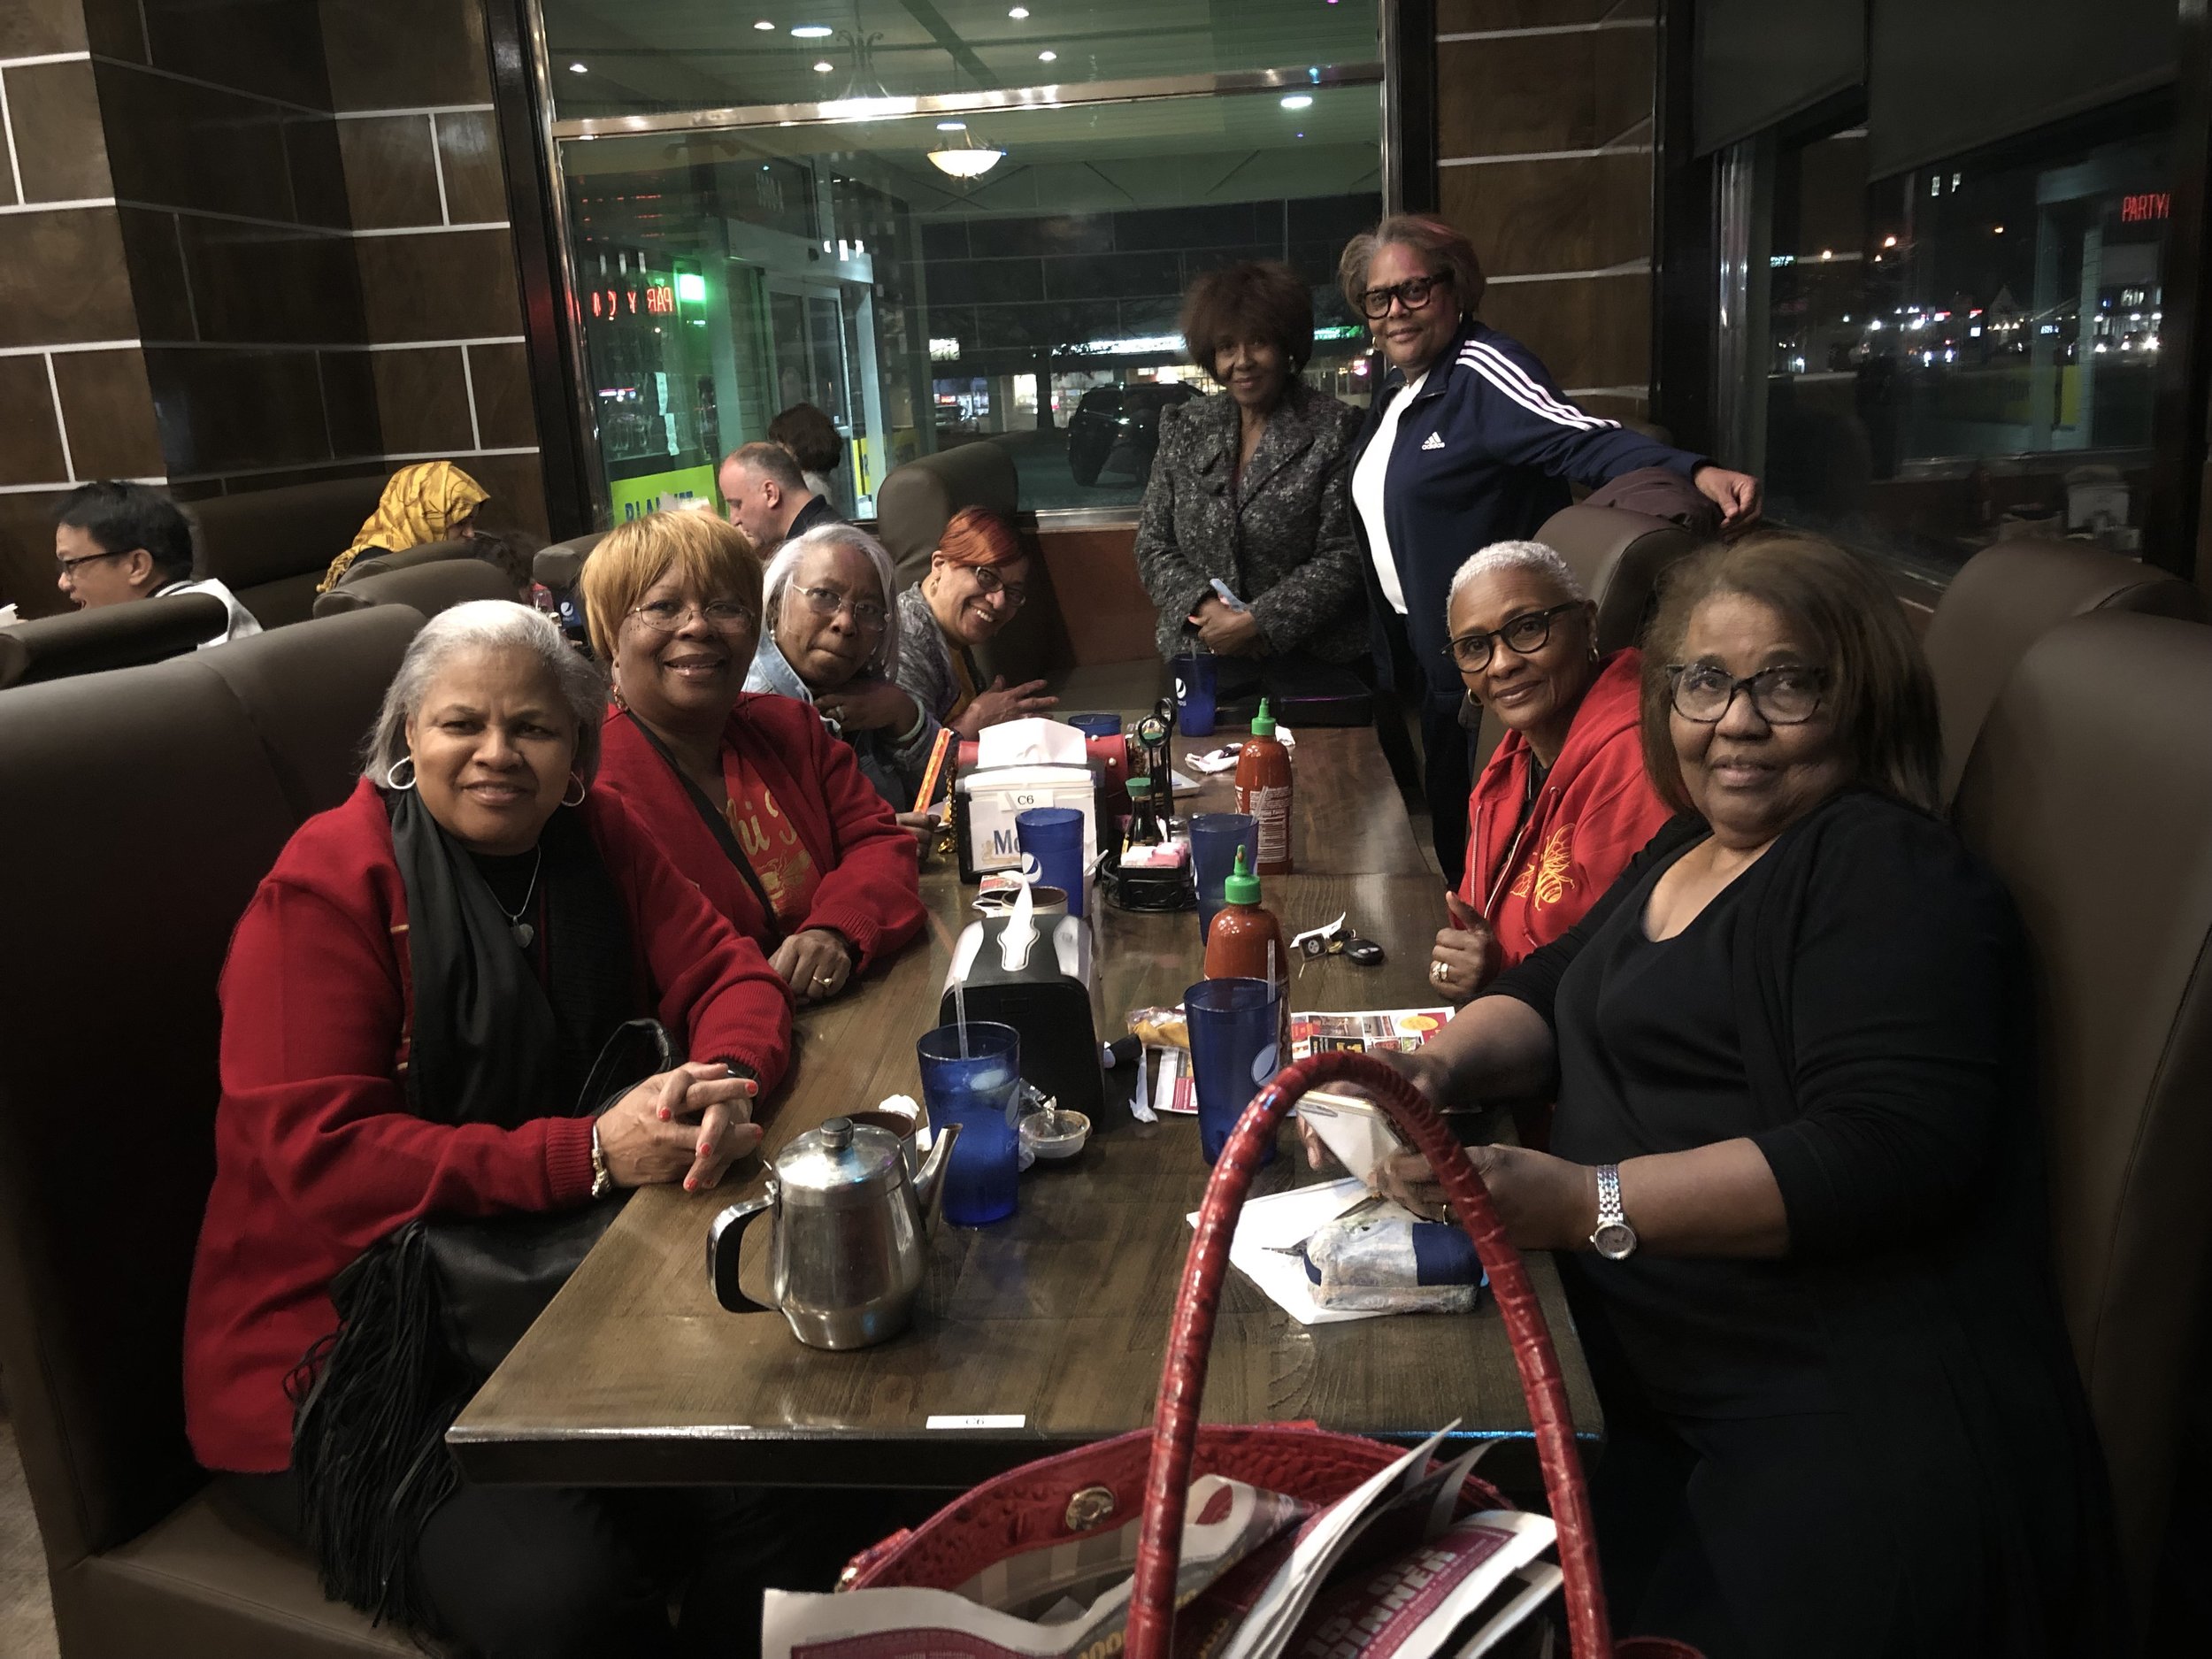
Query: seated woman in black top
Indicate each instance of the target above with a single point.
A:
(1796, 1162)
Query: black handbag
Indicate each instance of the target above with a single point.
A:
(425, 1316)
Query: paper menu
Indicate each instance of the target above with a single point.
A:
(1402, 1028)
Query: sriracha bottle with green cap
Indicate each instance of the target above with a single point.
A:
(1264, 791)
(1238, 945)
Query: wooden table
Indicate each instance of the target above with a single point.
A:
(1347, 817)
(1057, 1318)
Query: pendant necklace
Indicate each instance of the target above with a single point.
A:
(522, 932)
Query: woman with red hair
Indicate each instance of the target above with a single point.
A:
(978, 578)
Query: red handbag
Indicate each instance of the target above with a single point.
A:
(1054, 1500)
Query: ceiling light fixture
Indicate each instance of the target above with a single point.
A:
(1297, 101)
(578, 69)
(1046, 58)
(966, 158)
(824, 67)
(811, 32)
(1018, 14)
(766, 24)
(952, 127)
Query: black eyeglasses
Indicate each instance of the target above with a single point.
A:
(68, 567)
(1413, 294)
(988, 581)
(1787, 695)
(1524, 636)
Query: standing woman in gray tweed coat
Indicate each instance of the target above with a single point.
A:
(1250, 487)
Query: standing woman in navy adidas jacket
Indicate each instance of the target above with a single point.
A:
(1469, 442)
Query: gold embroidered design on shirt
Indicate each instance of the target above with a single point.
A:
(1547, 870)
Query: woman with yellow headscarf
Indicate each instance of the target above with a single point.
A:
(431, 501)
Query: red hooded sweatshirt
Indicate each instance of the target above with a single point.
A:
(1532, 881)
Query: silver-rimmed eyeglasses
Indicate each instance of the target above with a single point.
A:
(1789, 694)
(666, 616)
(868, 616)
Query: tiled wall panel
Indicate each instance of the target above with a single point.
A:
(281, 228)
(1544, 131)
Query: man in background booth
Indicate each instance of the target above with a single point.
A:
(768, 497)
(115, 542)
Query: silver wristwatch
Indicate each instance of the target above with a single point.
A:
(1612, 1239)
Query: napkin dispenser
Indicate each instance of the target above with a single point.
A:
(1041, 985)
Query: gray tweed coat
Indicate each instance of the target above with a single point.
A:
(1282, 542)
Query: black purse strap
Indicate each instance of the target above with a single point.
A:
(718, 825)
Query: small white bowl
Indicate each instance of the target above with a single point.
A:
(1056, 1134)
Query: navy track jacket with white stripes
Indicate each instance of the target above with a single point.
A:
(1483, 455)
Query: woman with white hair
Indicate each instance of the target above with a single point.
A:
(414, 1007)
(831, 639)
(1565, 803)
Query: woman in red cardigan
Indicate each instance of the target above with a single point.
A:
(1564, 804)
(425, 977)
(750, 795)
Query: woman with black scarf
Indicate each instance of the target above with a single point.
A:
(413, 1007)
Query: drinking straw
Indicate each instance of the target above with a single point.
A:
(960, 1013)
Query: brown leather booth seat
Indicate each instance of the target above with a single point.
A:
(270, 546)
(2004, 599)
(1620, 558)
(560, 565)
(113, 636)
(918, 501)
(2090, 791)
(428, 587)
(165, 794)
(429, 553)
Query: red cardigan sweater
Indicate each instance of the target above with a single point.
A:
(1594, 814)
(316, 1156)
(870, 885)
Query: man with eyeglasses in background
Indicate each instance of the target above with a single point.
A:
(768, 497)
(1469, 442)
(116, 543)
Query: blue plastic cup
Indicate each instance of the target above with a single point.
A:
(1195, 679)
(981, 1092)
(1214, 840)
(1096, 725)
(1053, 836)
(1232, 1037)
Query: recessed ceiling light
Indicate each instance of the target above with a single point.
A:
(824, 67)
(578, 69)
(1018, 14)
(811, 31)
(765, 24)
(952, 127)
(1297, 101)
(1046, 58)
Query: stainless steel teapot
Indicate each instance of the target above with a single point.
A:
(846, 1262)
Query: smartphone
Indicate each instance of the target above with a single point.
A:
(1357, 1130)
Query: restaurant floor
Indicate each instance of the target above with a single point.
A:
(26, 1613)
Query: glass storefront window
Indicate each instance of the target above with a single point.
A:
(1967, 351)
(878, 263)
